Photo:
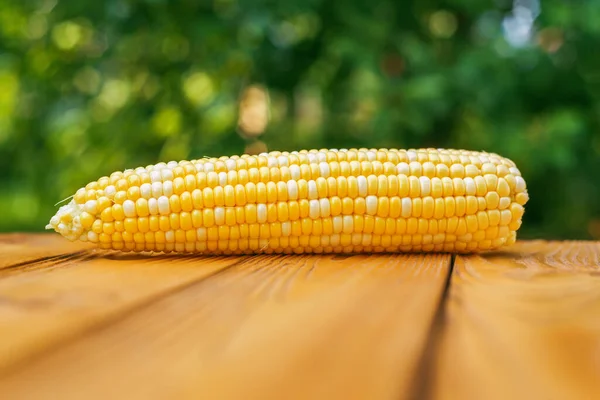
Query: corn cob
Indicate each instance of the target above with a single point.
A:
(315, 201)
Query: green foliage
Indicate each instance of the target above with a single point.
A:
(87, 88)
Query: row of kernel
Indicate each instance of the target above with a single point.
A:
(345, 168)
(326, 240)
(266, 231)
(343, 243)
(298, 171)
(188, 179)
(290, 211)
(280, 159)
(199, 208)
(118, 181)
(222, 248)
(166, 171)
(402, 186)
(350, 224)
(174, 196)
(394, 155)
(214, 249)
(122, 180)
(421, 155)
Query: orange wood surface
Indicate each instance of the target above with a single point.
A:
(80, 323)
(523, 323)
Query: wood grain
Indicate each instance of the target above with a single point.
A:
(522, 324)
(43, 303)
(270, 327)
(18, 249)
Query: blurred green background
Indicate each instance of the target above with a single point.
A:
(90, 87)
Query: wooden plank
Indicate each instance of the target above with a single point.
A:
(523, 324)
(61, 297)
(304, 327)
(18, 249)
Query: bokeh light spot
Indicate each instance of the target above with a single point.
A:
(219, 119)
(115, 93)
(87, 80)
(199, 88)
(518, 26)
(550, 39)
(443, 24)
(295, 29)
(253, 111)
(37, 27)
(67, 35)
(167, 121)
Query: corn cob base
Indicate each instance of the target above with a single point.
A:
(317, 201)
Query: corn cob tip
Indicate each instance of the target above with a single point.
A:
(67, 221)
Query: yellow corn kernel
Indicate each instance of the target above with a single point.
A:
(143, 224)
(186, 202)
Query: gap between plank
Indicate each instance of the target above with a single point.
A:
(109, 321)
(421, 388)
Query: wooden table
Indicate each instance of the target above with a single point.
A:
(76, 323)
